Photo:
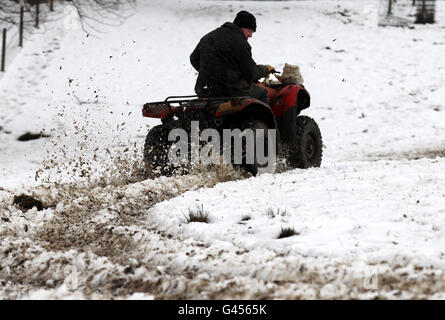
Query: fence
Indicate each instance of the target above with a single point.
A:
(13, 36)
(406, 12)
(426, 10)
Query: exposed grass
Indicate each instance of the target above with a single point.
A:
(273, 213)
(197, 215)
(287, 232)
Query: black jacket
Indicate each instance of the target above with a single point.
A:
(224, 61)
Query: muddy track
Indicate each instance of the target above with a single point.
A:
(408, 155)
(100, 242)
(40, 248)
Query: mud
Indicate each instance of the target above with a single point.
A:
(95, 239)
(92, 234)
(32, 136)
(27, 202)
(408, 155)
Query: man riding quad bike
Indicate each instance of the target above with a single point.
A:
(260, 117)
(297, 138)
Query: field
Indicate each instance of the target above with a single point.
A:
(367, 223)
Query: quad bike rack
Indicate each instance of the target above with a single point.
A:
(162, 109)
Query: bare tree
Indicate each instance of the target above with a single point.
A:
(91, 13)
(10, 10)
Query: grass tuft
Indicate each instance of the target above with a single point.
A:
(197, 215)
(287, 232)
(270, 212)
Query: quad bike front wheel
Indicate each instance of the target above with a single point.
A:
(307, 152)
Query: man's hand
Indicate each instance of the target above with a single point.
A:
(270, 68)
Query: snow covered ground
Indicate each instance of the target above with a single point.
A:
(368, 223)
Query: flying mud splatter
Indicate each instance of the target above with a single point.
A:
(91, 235)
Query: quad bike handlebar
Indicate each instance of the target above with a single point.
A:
(267, 78)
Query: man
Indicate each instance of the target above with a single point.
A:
(224, 61)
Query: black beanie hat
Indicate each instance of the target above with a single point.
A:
(245, 19)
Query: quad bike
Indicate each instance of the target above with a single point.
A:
(297, 138)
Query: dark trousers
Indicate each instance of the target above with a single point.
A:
(259, 93)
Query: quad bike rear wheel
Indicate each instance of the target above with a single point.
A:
(308, 150)
(156, 149)
(260, 134)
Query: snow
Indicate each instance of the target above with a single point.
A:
(385, 204)
(368, 222)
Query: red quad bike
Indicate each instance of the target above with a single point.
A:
(298, 138)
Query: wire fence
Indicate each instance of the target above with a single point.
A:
(397, 12)
(426, 10)
(422, 10)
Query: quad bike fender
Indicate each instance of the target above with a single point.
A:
(287, 97)
(236, 105)
(247, 107)
(163, 110)
(159, 110)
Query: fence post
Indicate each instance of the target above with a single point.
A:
(21, 27)
(51, 5)
(389, 7)
(37, 14)
(3, 50)
(425, 11)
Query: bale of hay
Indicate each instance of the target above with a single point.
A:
(291, 75)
